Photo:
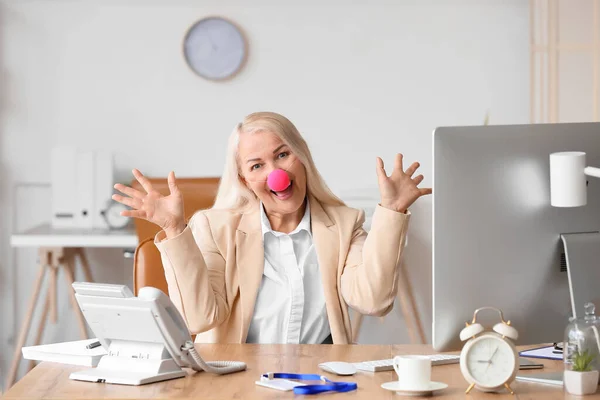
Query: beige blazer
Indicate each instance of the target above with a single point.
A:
(214, 268)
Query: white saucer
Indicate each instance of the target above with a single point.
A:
(395, 386)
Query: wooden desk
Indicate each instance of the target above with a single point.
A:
(49, 380)
(58, 250)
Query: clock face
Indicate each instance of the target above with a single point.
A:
(214, 48)
(489, 361)
(113, 216)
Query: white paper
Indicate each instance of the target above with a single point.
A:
(74, 353)
(279, 384)
(544, 352)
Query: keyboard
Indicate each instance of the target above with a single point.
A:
(388, 365)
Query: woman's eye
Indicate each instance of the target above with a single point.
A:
(255, 166)
(284, 154)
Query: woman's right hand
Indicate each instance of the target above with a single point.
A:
(164, 211)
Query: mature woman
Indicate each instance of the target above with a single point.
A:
(278, 258)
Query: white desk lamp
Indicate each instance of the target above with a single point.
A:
(568, 179)
(568, 188)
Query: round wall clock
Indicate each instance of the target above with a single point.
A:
(215, 48)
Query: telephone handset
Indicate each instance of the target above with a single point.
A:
(145, 337)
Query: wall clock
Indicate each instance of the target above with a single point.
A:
(215, 48)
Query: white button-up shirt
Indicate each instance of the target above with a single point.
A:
(290, 306)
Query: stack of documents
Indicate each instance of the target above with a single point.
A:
(74, 353)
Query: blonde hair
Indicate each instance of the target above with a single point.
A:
(234, 195)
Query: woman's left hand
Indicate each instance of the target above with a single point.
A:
(399, 190)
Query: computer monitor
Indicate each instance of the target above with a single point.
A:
(496, 238)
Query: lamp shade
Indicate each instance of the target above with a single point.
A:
(567, 179)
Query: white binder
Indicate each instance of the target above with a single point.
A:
(103, 187)
(84, 172)
(82, 187)
(63, 180)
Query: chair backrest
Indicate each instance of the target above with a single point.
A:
(198, 194)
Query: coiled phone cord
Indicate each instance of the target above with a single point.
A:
(216, 367)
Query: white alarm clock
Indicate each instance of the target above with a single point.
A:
(489, 361)
(112, 215)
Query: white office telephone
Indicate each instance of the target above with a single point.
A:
(145, 337)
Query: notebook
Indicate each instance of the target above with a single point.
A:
(74, 353)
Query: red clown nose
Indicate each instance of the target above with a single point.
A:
(278, 180)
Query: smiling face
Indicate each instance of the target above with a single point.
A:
(259, 154)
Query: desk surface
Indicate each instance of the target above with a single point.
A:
(45, 236)
(49, 380)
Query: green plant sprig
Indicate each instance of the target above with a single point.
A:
(582, 361)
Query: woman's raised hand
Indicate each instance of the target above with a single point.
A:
(164, 211)
(399, 190)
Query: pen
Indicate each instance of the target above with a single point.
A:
(93, 345)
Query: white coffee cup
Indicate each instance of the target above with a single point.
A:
(414, 372)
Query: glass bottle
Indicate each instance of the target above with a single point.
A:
(582, 337)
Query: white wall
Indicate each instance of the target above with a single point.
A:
(359, 82)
